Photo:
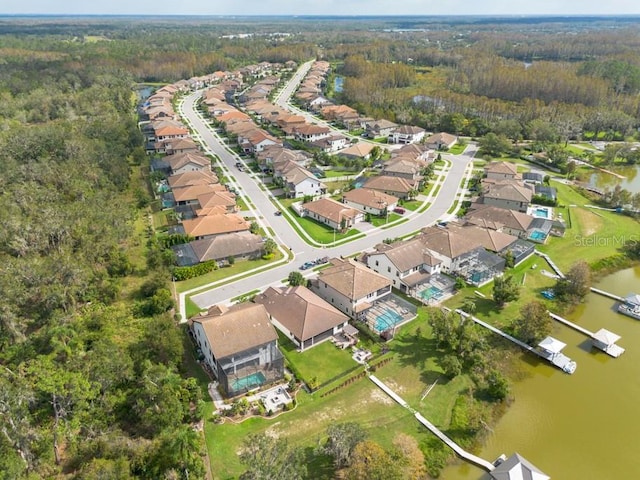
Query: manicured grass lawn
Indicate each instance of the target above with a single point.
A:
(410, 204)
(380, 221)
(240, 266)
(320, 232)
(338, 173)
(457, 149)
(322, 362)
(411, 372)
(191, 309)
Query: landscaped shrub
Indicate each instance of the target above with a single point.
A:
(185, 273)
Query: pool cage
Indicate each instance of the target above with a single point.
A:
(250, 369)
(479, 266)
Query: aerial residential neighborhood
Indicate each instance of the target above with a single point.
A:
(265, 241)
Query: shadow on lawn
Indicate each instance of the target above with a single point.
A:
(415, 351)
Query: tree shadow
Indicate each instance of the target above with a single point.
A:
(319, 465)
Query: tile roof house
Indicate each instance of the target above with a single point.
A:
(438, 141)
(178, 145)
(406, 134)
(415, 151)
(168, 130)
(380, 128)
(188, 162)
(508, 221)
(222, 198)
(212, 225)
(241, 246)
(190, 194)
(501, 171)
(334, 214)
(304, 317)
(370, 201)
(512, 196)
(240, 346)
(406, 264)
(405, 168)
(396, 186)
(492, 240)
(351, 287)
(187, 179)
(299, 182)
(311, 132)
(332, 143)
(357, 150)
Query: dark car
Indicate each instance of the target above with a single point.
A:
(277, 213)
(307, 265)
(399, 210)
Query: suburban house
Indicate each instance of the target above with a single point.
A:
(164, 130)
(300, 182)
(188, 162)
(534, 176)
(461, 255)
(508, 221)
(213, 225)
(334, 214)
(395, 186)
(511, 196)
(188, 179)
(301, 315)
(405, 168)
(178, 145)
(332, 143)
(406, 264)
(370, 201)
(351, 287)
(311, 132)
(256, 141)
(550, 193)
(221, 198)
(415, 151)
(190, 194)
(240, 346)
(277, 154)
(406, 134)
(501, 171)
(440, 141)
(240, 246)
(360, 150)
(380, 128)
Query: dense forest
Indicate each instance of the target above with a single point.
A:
(92, 382)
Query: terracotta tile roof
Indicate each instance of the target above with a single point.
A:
(301, 311)
(501, 168)
(239, 328)
(199, 177)
(509, 191)
(215, 225)
(211, 199)
(443, 137)
(360, 149)
(225, 246)
(490, 239)
(496, 218)
(193, 192)
(409, 254)
(408, 130)
(352, 279)
(179, 160)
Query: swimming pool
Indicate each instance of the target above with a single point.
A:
(542, 212)
(387, 320)
(431, 292)
(538, 235)
(250, 381)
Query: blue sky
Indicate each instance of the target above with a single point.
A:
(322, 7)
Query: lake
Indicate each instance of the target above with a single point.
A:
(606, 180)
(580, 426)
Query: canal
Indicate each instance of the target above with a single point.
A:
(580, 426)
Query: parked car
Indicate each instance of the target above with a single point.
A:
(277, 213)
(399, 210)
(307, 265)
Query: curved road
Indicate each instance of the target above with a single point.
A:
(248, 186)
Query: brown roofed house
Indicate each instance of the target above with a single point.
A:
(396, 186)
(334, 214)
(212, 225)
(370, 201)
(302, 315)
(240, 246)
(240, 345)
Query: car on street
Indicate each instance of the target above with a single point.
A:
(277, 213)
(307, 265)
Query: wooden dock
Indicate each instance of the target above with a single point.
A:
(553, 266)
(461, 452)
(553, 360)
(602, 339)
(607, 294)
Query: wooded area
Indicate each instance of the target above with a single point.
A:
(92, 379)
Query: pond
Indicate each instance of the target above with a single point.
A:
(338, 84)
(579, 426)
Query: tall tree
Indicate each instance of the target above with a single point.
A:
(341, 442)
(533, 324)
(505, 289)
(371, 462)
(267, 458)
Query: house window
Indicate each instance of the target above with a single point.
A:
(377, 263)
(388, 269)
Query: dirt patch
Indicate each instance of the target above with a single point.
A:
(381, 397)
(273, 431)
(588, 221)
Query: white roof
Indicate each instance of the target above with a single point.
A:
(552, 345)
(606, 337)
(633, 299)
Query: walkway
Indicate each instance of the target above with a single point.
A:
(551, 264)
(607, 294)
(603, 339)
(462, 453)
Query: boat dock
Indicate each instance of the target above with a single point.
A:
(553, 266)
(461, 452)
(603, 339)
(555, 358)
(607, 294)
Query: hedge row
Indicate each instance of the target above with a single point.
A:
(185, 273)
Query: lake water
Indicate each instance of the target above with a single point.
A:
(580, 426)
(606, 180)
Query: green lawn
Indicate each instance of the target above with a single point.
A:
(457, 149)
(322, 362)
(411, 372)
(320, 232)
(380, 221)
(160, 221)
(338, 173)
(240, 266)
(411, 204)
